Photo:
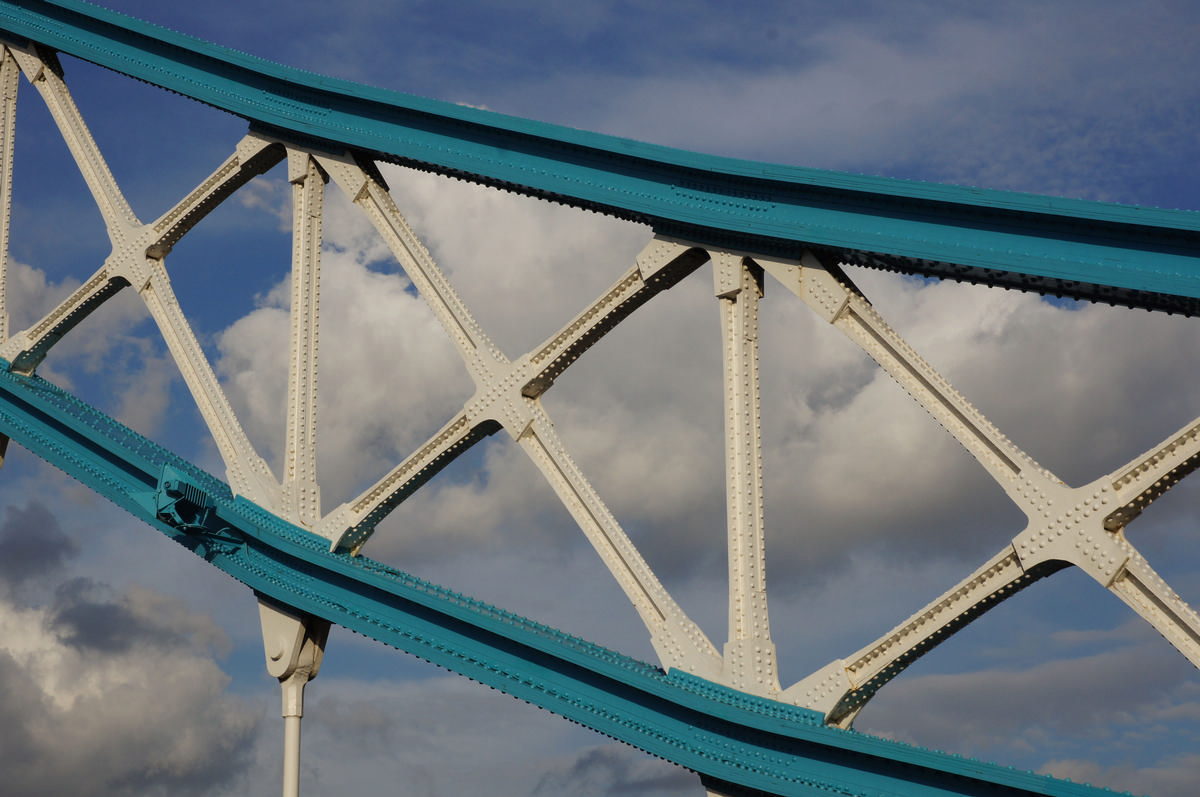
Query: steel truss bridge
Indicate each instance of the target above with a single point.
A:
(720, 712)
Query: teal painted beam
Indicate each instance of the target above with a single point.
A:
(1120, 254)
(725, 736)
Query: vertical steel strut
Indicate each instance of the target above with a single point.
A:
(301, 495)
(10, 74)
(750, 663)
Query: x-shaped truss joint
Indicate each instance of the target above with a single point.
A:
(1070, 526)
(1082, 526)
(504, 397)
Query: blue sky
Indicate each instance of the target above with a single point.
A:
(122, 638)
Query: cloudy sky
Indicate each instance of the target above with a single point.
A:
(128, 666)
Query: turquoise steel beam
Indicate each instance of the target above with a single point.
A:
(1119, 254)
(736, 742)
(725, 736)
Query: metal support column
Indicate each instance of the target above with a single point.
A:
(749, 654)
(294, 644)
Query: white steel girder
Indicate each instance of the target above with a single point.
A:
(750, 663)
(1083, 526)
(507, 395)
(10, 75)
(137, 260)
(507, 392)
(301, 495)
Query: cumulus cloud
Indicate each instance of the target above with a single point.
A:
(114, 358)
(1174, 776)
(273, 196)
(871, 509)
(990, 709)
(361, 734)
(105, 692)
(615, 770)
(975, 96)
(1067, 386)
(1120, 690)
(388, 374)
(641, 412)
(125, 703)
(32, 544)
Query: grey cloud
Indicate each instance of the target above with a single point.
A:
(1022, 96)
(102, 722)
(105, 693)
(1175, 776)
(1101, 697)
(21, 700)
(86, 618)
(32, 544)
(641, 413)
(1097, 114)
(366, 727)
(612, 770)
(365, 735)
(1017, 97)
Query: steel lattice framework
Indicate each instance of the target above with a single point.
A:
(721, 712)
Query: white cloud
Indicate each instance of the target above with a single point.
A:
(106, 693)
(30, 296)
(642, 414)
(871, 508)
(1135, 701)
(273, 196)
(1172, 777)
(361, 736)
(1018, 95)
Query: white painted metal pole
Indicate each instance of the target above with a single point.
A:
(291, 756)
(293, 710)
(294, 644)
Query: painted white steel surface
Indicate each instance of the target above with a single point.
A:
(1083, 526)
